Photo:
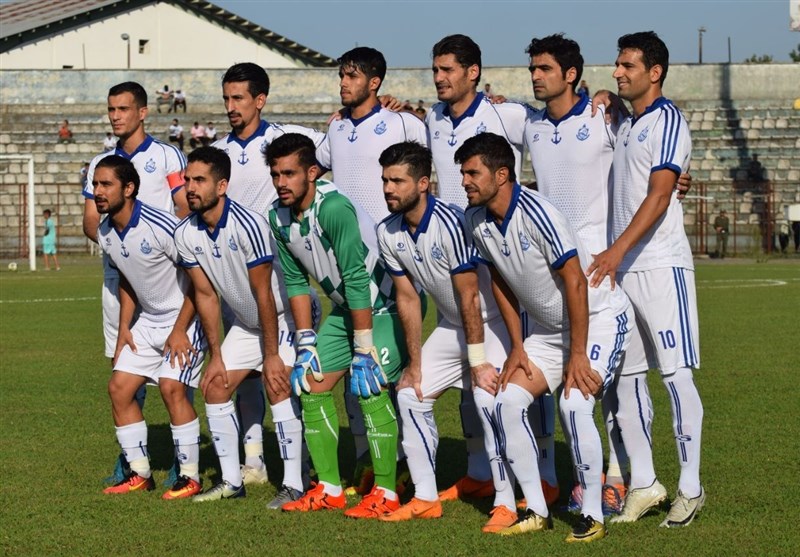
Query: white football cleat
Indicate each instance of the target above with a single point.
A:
(639, 501)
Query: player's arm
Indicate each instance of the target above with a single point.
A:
(615, 109)
(91, 219)
(176, 167)
(127, 307)
(509, 309)
(409, 310)
(578, 372)
(207, 304)
(261, 285)
(653, 207)
(465, 284)
(180, 202)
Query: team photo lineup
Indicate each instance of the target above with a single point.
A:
(559, 294)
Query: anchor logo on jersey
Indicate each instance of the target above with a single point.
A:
(524, 242)
(380, 129)
(124, 251)
(341, 127)
(150, 166)
(506, 250)
(480, 129)
(353, 136)
(308, 244)
(436, 252)
(643, 134)
(243, 160)
(583, 133)
(627, 138)
(145, 247)
(555, 139)
(401, 247)
(486, 233)
(215, 252)
(417, 255)
(452, 141)
(232, 245)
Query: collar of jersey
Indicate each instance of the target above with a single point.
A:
(223, 220)
(658, 103)
(148, 140)
(511, 208)
(357, 121)
(424, 221)
(576, 110)
(468, 113)
(262, 127)
(137, 209)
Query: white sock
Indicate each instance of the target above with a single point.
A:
(586, 449)
(687, 424)
(224, 428)
(289, 430)
(251, 405)
(501, 472)
(519, 443)
(478, 467)
(187, 447)
(617, 457)
(420, 441)
(542, 415)
(331, 489)
(133, 442)
(635, 418)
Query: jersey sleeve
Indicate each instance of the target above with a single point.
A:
(478, 253)
(393, 266)
(415, 129)
(254, 238)
(513, 116)
(550, 231)
(186, 257)
(455, 242)
(324, 153)
(175, 165)
(339, 222)
(670, 141)
(295, 276)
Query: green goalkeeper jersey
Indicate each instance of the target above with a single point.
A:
(335, 243)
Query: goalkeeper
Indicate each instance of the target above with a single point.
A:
(322, 234)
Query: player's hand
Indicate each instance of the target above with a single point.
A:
(367, 376)
(390, 103)
(411, 378)
(486, 377)
(604, 264)
(683, 185)
(215, 370)
(307, 360)
(517, 360)
(578, 374)
(274, 375)
(179, 348)
(124, 338)
(498, 99)
(615, 109)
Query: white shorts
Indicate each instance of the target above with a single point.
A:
(110, 301)
(243, 348)
(665, 302)
(609, 335)
(149, 360)
(444, 355)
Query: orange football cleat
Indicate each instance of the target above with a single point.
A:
(315, 499)
(416, 508)
(469, 488)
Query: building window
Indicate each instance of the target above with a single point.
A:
(144, 46)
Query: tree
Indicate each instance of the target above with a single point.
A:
(795, 54)
(763, 59)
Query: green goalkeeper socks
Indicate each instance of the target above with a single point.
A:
(381, 423)
(322, 434)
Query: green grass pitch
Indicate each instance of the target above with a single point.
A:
(57, 443)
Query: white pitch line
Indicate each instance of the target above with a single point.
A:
(45, 300)
(740, 283)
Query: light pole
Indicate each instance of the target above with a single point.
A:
(127, 38)
(700, 32)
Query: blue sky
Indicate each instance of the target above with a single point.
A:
(405, 30)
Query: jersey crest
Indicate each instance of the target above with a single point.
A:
(232, 245)
(150, 166)
(436, 252)
(583, 133)
(380, 129)
(145, 247)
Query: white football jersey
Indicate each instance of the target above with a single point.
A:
(658, 139)
(352, 148)
(446, 135)
(145, 253)
(438, 249)
(238, 243)
(572, 159)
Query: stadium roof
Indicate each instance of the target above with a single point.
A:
(27, 21)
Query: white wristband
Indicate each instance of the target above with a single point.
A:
(476, 354)
(362, 338)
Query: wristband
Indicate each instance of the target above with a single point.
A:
(362, 338)
(476, 354)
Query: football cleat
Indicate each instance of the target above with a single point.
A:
(134, 482)
(639, 501)
(551, 493)
(501, 517)
(223, 490)
(285, 495)
(528, 521)
(373, 505)
(182, 488)
(120, 473)
(575, 503)
(613, 497)
(467, 487)
(252, 475)
(315, 499)
(173, 474)
(587, 530)
(683, 510)
(416, 508)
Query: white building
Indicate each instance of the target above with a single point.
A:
(140, 34)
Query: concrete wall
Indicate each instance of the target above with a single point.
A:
(708, 82)
(175, 39)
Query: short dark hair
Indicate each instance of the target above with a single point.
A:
(255, 76)
(411, 153)
(138, 92)
(466, 51)
(369, 61)
(217, 159)
(123, 170)
(47, 212)
(654, 51)
(289, 144)
(566, 52)
(494, 151)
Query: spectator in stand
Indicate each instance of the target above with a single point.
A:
(407, 106)
(420, 110)
(109, 143)
(49, 241)
(180, 100)
(783, 231)
(211, 133)
(584, 88)
(721, 226)
(164, 97)
(64, 133)
(198, 134)
(84, 173)
(176, 133)
(487, 91)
